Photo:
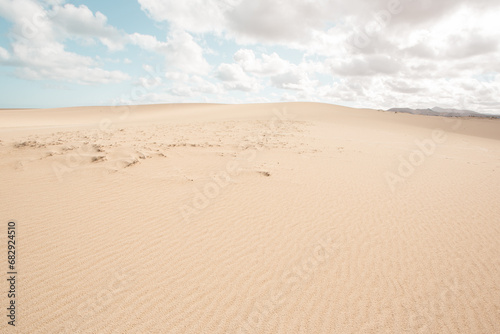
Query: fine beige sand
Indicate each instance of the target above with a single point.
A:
(263, 218)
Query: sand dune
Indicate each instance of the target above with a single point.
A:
(263, 218)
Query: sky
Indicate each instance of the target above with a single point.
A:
(359, 53)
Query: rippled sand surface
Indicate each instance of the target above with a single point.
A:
(265, 218)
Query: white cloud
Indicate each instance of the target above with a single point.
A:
(275, 21)
(81, 21)
(295, 79)
(235, 78)
(287, 97)
(181, 51)
(147, 42)
(266, 65)
(231, 72)
(185, 54)
(177, 76)
(4, 54)
(31, 22)
(404, 86)
(378, 53)
(245, 20)
(82, 75)
(279, 72)
(37, 46)
(191, 15)
(196, 86)
(52, 61)
(367, 65)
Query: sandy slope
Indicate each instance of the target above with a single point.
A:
(280, 218)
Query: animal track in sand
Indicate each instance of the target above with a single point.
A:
(126, 147)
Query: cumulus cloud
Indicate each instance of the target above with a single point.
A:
(266, 65)
(368, 65)
(83, 75)
(81, 21)
(51, 61)
(372, 53)
(184, 53)
(235, 78)
(147, 42)
(274, 21)
(191, 15)
(37, 45)
(181, 51)
(197, 86)
(404, 86)
(294, 79)
(4, 54)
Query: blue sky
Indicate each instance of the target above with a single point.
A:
(376, 54)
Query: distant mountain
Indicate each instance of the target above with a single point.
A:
(436, 111)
